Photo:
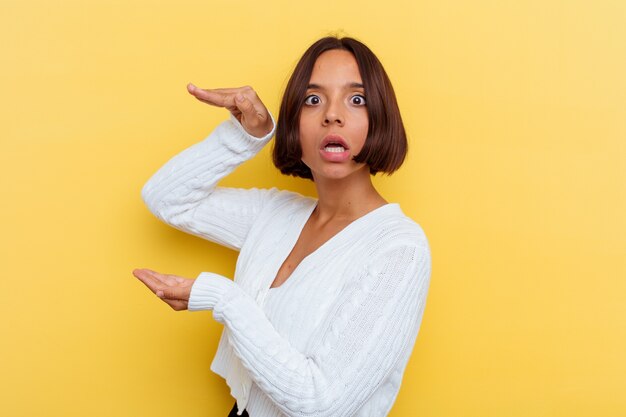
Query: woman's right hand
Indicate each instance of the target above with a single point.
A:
(243, 103)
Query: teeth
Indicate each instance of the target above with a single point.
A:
(334, 148)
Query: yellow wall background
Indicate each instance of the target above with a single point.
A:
(517, 118)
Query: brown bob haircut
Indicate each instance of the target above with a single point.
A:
(385, 146)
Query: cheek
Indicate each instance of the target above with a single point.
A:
(306, 138)
(361, 133)
(305, 147)
(305, 124)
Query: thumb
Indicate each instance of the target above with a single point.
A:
(245, 106)
(257, 124)
(174, 293)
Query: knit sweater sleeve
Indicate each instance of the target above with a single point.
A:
(183, 192)
(373, 323)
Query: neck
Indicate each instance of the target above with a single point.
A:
(347, 198)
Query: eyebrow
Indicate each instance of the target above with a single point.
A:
(319, 87)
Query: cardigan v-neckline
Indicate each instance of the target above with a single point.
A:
(297, 232)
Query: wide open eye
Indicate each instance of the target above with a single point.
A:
(358, 100)
(312, 100)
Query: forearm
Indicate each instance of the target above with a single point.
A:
(191, 175)
(183, 192)
(354, 351)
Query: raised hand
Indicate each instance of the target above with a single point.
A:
(172, 289)
(242, 102)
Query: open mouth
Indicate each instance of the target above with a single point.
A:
(334, 147)
(334, 143)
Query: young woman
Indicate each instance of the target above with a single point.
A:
(328, 293)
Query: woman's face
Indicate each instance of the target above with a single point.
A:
(334, 121)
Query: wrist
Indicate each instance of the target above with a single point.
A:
(263, 135)
(207, 290)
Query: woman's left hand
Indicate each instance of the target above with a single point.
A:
(172, 289)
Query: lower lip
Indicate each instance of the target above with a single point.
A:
(335, 156)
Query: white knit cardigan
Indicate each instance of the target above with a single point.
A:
(335, 338)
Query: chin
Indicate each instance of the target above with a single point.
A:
(339, 172)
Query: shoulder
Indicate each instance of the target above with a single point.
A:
(279, 202)
(390, 226)
(289, 199)
(394, 238)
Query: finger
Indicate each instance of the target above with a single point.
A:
(256, 122)
(243, 103)
(247, 109)
(221, 97)
(174, 293)
(179, 280)
(211, 97)
(167, 279)
(177, 305)
(226, 97)
(215, 99)
(191, 87)
(156, 277)
(145, 277)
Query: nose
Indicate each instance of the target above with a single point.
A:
(333, 114)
